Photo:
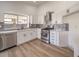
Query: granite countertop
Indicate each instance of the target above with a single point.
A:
(7, 31)
(14, 30)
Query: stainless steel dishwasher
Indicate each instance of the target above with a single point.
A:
(8, 40)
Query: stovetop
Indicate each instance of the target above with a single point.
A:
(48, 29)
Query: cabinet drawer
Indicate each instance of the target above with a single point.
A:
(52, 39)
(53, 33)
(52, 42)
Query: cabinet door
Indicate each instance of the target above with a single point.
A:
(27, 36)
(33, 34)
(20, 37)
(23, 36)
(38, 33)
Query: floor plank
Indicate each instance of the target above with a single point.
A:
(37, 48)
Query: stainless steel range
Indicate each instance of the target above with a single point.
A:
(45, 34)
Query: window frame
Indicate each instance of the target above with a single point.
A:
(17, 15)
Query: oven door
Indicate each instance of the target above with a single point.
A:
(45, 35)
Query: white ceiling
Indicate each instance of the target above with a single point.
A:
(32, 3)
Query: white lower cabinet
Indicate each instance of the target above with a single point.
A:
(33, 33)
(59, 38)
(53, 37)
(76, 50)
(39, 33)
(20, 37)
(76, 46)
(25, 35)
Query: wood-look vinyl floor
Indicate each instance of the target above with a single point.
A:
(37, 48)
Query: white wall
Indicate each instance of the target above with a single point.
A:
(57, 7)
(60, 10)
(73, 21)
(17, 8)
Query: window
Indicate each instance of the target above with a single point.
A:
(15, 19)
(10, 19)
(23, 20)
